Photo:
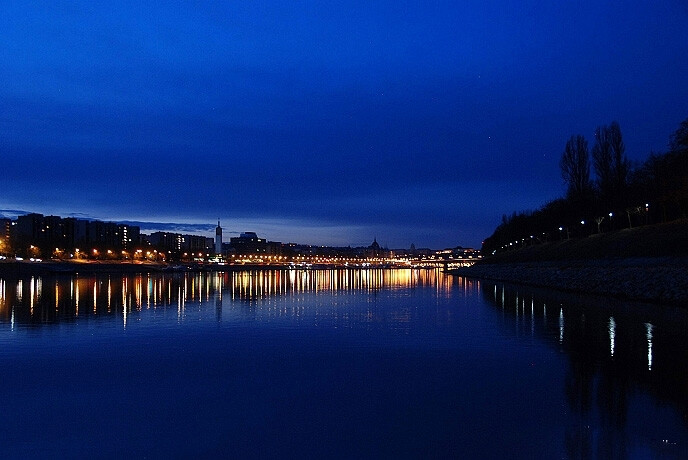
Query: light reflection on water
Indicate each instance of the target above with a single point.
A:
(120, 296)
(616, 359)
(434, 365)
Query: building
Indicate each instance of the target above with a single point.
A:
(34, 234)
(28, 230)
(129, 236)
(5, 227)
(194, 244)
(165, 241)
(218, 239)
(248, 243)
(274, 248)
(374, 250)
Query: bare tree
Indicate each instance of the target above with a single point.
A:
(620, 167)
(575, 166)
(602, 162)
(611, 165)
(599, 220)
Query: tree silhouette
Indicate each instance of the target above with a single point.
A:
(656, 190)
(602, 162)
(679, 140)
(611, 165)
(620, 167)
(575, 167)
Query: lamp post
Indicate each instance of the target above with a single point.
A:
(561, 229)
(647, 212)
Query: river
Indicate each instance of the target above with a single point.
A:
(350, 363)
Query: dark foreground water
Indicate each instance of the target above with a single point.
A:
(340, 363)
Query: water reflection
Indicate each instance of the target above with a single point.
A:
(439, 353)
(648, 335)
(48, 299)
(612, 335)
(615, 353)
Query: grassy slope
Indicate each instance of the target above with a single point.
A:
(661, 240)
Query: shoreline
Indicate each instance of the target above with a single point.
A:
(18, 269)
(24, 268)
(659, 280)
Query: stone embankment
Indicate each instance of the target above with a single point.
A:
(650, 279)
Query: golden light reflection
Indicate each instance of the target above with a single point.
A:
(20, 290)
(149, 291)
(76, 296)
(124, 292)
(127, 293)
(31, 294)
(3, 304)
(264, 283)
(138, 289)
(180, 303)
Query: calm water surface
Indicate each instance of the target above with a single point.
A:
(334, 363)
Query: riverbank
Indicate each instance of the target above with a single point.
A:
(18, 269)
(658, 280)
(12, 268)
(648, 264)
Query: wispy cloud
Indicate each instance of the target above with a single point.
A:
(12, 213)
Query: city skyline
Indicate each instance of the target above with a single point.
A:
(212, 235)
(331, 123)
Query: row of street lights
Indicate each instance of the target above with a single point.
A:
(561, 228)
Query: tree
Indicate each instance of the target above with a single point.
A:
(575, 167)
(621, 166)
(679, 140)
(611, 165)
(602, 162)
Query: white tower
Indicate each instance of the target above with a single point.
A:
(218, 239)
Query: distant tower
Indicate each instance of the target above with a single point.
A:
(218, 239)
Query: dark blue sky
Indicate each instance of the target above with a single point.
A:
(325, 122)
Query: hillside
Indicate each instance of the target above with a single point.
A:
(661, 240)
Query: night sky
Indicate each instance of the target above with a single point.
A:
(325, 122)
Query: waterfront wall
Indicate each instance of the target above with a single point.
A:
(658, 280)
